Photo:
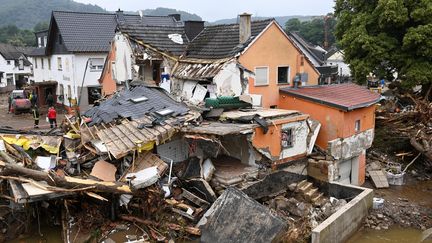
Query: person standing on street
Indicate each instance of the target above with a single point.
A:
(9, 102)
(35, 112)
(33, 98)
(52, 117)
(50, 100)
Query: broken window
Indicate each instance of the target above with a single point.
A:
(94, 94)
(283, 75)
(96, 64)
(261, 75)
(357, 126)
(287, 138)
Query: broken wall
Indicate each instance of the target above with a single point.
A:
(270, 143)
(345, 148)
(122, 68)
(228, 81)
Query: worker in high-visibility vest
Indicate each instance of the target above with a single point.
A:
(35, 112)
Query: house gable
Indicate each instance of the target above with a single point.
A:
(273, 49)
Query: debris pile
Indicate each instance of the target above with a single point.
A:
(142, 160)
(408, 119)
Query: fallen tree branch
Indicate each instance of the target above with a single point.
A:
(67, 181)
(176, 227)
(421, 149)
(43, 187)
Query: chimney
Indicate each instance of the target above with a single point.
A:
(177, 17)
(120, 16)
(244, 27)
(193, 28)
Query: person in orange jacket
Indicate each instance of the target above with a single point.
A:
(52, 116)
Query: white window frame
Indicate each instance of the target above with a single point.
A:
(357, 125)
(288, 74)
(268, 76)
(97, 67)
(59, 64)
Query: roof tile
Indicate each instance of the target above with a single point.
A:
(341, 96)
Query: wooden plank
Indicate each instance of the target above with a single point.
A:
(379, 179)
(130, 135)
(148, 137)
(130, 144)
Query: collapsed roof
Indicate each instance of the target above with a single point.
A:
(135, 103)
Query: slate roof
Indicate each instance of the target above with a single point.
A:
(157, 37)
(121, 105)
(315, 55)
(37, 52)
(344, 97)
(221, 41)
(92, 32)
(10, 52)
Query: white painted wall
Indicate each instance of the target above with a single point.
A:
(12, 70)
(228, 81)
(338, 59)
(301, 131)
(71, 73)
(123, 59)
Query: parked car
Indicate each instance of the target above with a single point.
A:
(20, 102)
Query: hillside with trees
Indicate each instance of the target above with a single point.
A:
(313, 30)
(167, 11)
(26, 13)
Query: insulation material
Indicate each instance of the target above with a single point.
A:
(49, 143)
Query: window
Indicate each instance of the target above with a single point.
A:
(35, 62)
(8, 62)
(113, 73)
(96, 64)
(283, 75)
(67, 64)
(357, 126)
(261, 76)
(45, 41)
(287, 138)
(94, 94)
(42, 63)
(59, 63)
(21, 64)
(49, 63)
(39, 41)
(61, 96)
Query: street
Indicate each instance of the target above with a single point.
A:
(23, 121)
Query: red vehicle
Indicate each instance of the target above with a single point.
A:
(19, 102)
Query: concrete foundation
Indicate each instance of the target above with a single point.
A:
(347, 220)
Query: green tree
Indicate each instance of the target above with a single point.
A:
(313, 31)
(387, 36)
(41, 26)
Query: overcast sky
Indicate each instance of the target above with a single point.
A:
(223, 9)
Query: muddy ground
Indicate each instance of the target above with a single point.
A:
(409, 205)
(24, 121)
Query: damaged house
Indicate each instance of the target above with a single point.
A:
(346, 113)
(194, 62)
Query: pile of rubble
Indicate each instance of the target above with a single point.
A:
(142, 160)
(409, 118)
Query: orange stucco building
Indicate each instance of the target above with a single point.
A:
(107, 81)
(347, 116)
(275, 51)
